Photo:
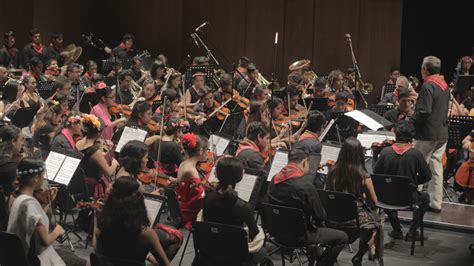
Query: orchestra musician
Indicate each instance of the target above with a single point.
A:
(320, 89)
(125, 50)
(157, 73)
(124, 94)
(10, 101)
(33, 49)
(35, 69)
(341, 104)
(291, 105)
(309, 141)
(101, 110)
(55, 48)
(257, 137)
(117, 67)
(172, 153)
(3, 76)
(193, 94)
(247, 85)
(336, 83)
(65, 140)
(261, 93)
(139, 74)
(73, 73)
(30, 96)
(91, 69)
(242, 68)
(9, 54)
(404, 109)
(52, 70)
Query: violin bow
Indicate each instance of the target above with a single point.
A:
(158, 156)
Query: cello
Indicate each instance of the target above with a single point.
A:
(465, 178)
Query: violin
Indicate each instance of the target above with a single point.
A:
(206, 166)
(377, 147)
(221, 112)
(153, 126)
(332, 101)
(240, 100)
(96, 204)
(268, 153)
(118, 109)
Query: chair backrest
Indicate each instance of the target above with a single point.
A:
(11, 250)
(287, 225)
(172, 202)
(340, 207)
(393, 190)
(220, 243)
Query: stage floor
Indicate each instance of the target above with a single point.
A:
(453, 217)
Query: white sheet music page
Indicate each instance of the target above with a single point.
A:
(152, 208)
(279, 161)
(67, 170)
(328, 153)
(219, 143)
(245, 187)
(130, 134)
(53, 163)
(364, 119)
(326, 130)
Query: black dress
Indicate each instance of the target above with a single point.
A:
(124, 246)
(92, 170)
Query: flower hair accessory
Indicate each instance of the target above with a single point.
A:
(74, 119)
(189, 139)
(91, 119)
(30, 171)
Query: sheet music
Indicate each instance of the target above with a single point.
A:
(152, 208)
(279, 161)
(130, 134)
(328, 153)
(326, 130)
(245, 187)
(367, 139)
(67, 170)
(364, 119)
(219, 143)
(53, 163)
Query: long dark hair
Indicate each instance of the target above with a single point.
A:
(131, 156)
(140, 108)
(349, 171)
(7, 135)
(229, 172)
(124, 211)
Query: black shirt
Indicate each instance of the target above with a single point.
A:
(7, 174)
(124, 97)
(299, 192)
(431, 112)
(411, 164)
(233, 211)
(29, 52)
(7, 60)
(310, 146)
(90, 166)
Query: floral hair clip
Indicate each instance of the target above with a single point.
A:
(92, 119)
(190, 140)
(74, 119)
(30, 171)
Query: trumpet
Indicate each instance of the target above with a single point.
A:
(261, 80)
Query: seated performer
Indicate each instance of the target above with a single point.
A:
(125, 50)
(293, 188)
(193, 94)
(309, 141)
(402, 159)
(405, 108)
(255, 143)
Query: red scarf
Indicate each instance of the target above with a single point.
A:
(69, 138)
(308, 135)
(58, 49)
(401, 148)
(37, 47)
(11, 50)
(290, 171)
(122, 45)
(438, 80)
(51, 72)
(246, 144)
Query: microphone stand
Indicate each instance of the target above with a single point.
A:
(356, 67)
(275, 53)
(210, 55)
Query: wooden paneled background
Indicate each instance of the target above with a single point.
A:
(313, 29)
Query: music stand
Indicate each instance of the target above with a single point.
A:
(24, 116)
(319, 103)
(388, 88)
(45, 89)
(458, 128)
(464, 83)
(381, 109)
(191, 70)
(88, 101)
(258, 189)
(343, 128)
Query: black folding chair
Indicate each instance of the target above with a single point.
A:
(11, 250)
(220, 244)
(396, 193)
(341, 208)
(286, 227)
(101, 260)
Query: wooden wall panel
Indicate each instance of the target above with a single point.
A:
(18, 17)
(264, 18)
(379, 41)
(333, 19)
